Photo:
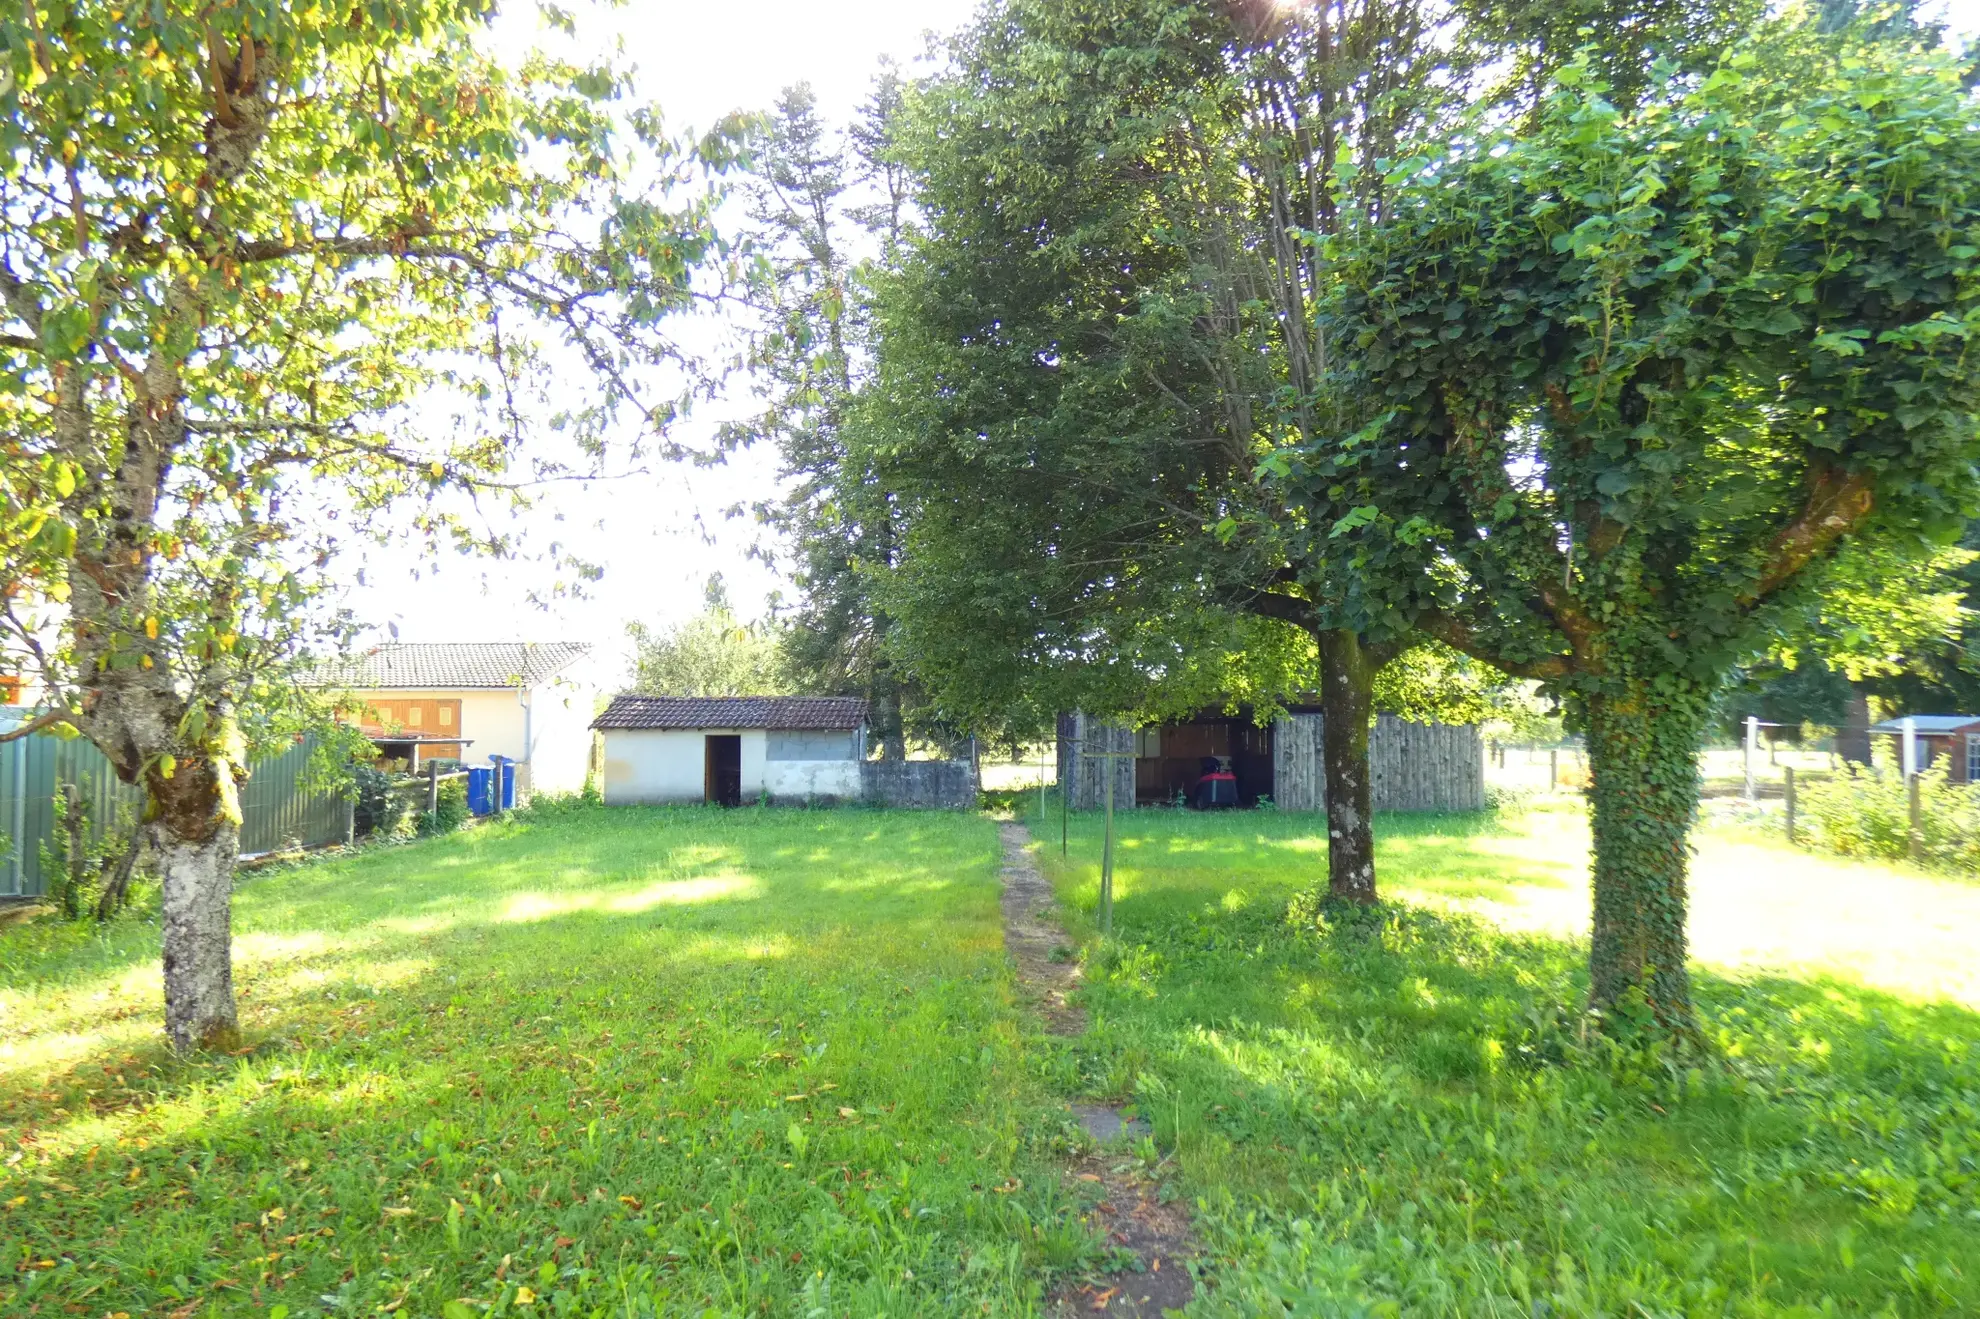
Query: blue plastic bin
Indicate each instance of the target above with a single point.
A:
(480, 798)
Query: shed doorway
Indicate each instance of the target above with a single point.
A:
(722, 769)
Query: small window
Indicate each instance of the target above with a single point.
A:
(1973, 757)
(446, 716)
(412, 716)
(1148, 742)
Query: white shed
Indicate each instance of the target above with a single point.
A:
(726, 750)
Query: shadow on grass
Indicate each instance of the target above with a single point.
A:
(506, 1044)
(1375, 1116)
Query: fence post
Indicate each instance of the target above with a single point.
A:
(1917, 822)
(1789, 772)
(1107, 860)
(1041, 786)
(350, 822)
(1554, 769)
(1752, 746)
(433, 788)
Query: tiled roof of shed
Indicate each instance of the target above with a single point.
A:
(821, 713)
(451, 664)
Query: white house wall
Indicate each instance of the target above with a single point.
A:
(560, 729)
(494, 722)
(651, 766)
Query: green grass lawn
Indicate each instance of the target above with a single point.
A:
(1401, 1118)
(766, 1062)
(614, 1062)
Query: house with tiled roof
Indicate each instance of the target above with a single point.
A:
(529, 702)
(725, 750)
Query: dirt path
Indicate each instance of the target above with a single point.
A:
(1158, 1235)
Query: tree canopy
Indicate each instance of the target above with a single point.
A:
(277, 276)
(1631, 379)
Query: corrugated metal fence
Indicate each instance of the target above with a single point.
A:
(277, 809)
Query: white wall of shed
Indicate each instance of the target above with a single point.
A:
(652, 766)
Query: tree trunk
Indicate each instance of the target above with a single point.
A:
(1853, 738)
(197, 837)
(1643, 758)
(885, 703)
(1347, 696)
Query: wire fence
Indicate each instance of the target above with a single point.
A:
(279, 806)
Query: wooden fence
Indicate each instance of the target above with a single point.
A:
(278, 808)
(1414, 767)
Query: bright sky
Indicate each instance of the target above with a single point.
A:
(698, 62)
(660, 535)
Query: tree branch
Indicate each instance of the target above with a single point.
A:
(1462, 638)
(1286, 608)
(41, 721)
(1836, 506)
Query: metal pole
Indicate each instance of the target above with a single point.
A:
(1789, 771)
(1065, 807)
(433, 787)
(1910, 746)
(19, 849)
(1553, 769)
(1917, 825)
(1107, 860)
(1041, 785)
(1752, 746)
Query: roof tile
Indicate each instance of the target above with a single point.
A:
(833, 713)
(451, 664)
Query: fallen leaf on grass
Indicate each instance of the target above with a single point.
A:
(848, 1112)
(631, 1202)
(524, 1296)
(1101, 1301)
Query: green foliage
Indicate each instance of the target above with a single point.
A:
(453, 811)
(383, 804)
(88, 862)
(1433, 683)
(812, 357)
(1860, 812)
(1399, 1113)
(711, 654)
(1623, 380)
(582, 1044)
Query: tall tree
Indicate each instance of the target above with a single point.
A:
(817, 198)
(1631, 379)
(712, 654)
(249, 253)
(1113, 310)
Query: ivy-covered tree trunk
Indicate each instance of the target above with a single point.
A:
(1643, 756)
(1347, 698)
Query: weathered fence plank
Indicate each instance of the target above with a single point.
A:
(1414, 767)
